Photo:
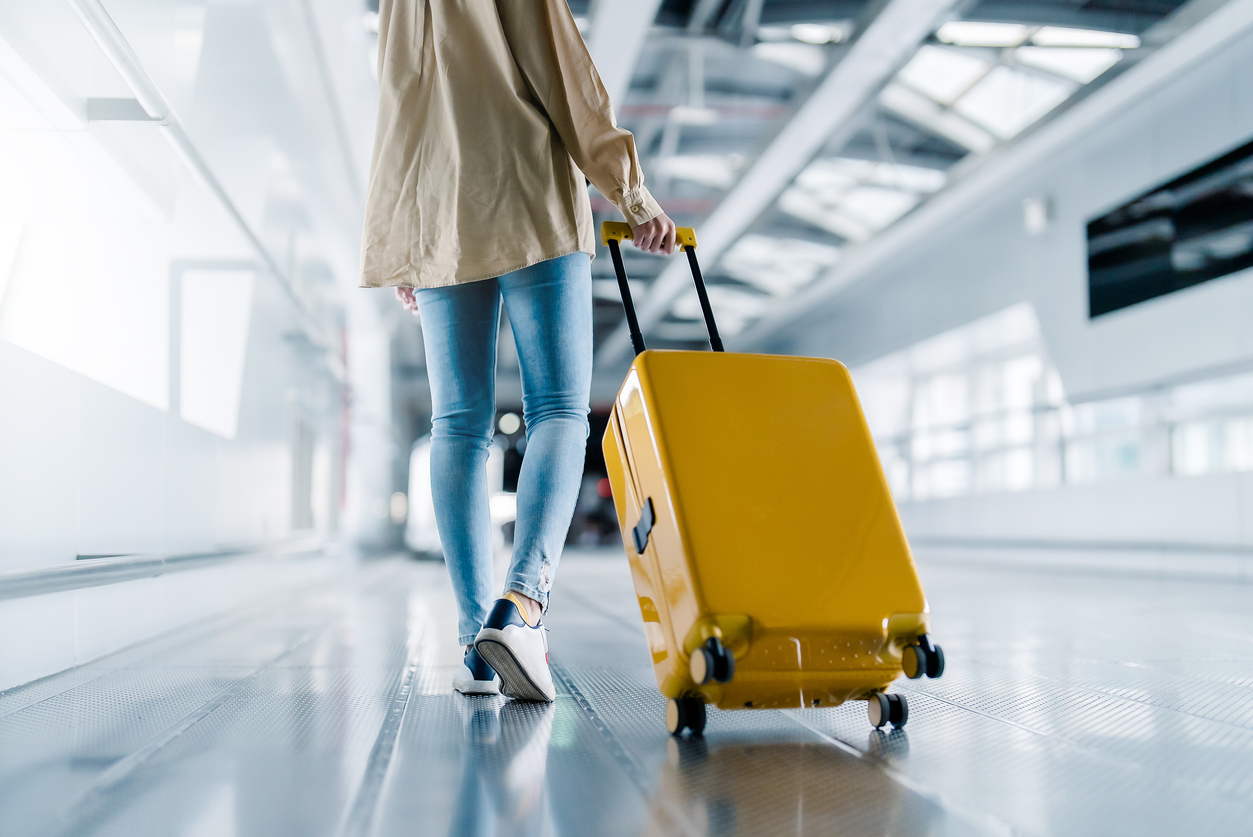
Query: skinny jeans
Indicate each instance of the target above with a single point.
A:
(550, 309)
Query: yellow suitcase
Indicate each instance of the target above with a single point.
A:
(766, 552)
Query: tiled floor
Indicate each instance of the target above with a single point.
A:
(1071, 705)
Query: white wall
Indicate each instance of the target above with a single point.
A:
(159, 389)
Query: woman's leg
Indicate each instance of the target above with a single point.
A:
(550, 309)
(459, 327)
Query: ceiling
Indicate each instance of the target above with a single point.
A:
(718, 82)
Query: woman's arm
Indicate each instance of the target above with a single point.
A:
(550, 52)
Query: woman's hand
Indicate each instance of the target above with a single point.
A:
(655, 236)
(407, 300)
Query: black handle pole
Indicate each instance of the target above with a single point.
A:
(637, 339)
(715, 342)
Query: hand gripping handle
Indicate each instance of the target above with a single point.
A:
(613, 232)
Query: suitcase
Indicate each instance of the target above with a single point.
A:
(766, 552)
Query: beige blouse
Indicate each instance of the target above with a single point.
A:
(490, 114)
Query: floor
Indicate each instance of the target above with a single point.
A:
(1072, 705)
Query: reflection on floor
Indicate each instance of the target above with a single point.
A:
(1072, 705)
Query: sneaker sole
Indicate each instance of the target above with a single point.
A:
(477, 687)
(514, 681)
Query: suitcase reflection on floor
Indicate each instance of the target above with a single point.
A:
(785, 789)
(503, 787)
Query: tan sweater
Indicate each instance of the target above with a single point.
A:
(490, 114)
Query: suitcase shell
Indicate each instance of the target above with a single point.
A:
(774, 528)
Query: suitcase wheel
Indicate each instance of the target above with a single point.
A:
(685, 713)
(887, 709)
(922, 659)
(712, 661)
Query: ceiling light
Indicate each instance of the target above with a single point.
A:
(820, 33)
(1059, 36)
(1007, 100)
(977, 33)
(1081, 64)
(943, 74)
(806, 59)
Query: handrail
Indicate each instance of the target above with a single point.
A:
(97, 572)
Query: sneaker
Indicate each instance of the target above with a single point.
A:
(518, 651)
(476, 677)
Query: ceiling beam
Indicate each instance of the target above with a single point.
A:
(883, 47)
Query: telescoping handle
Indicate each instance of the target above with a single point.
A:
(612, 233)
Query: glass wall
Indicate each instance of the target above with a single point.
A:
(981, 409)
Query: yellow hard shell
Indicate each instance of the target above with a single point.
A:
(775, 529)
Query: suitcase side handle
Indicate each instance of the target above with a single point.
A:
(612, 233)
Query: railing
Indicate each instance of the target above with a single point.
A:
(97, 572)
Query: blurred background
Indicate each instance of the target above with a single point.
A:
(1022, 225)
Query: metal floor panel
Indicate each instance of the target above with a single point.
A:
(1072, 705)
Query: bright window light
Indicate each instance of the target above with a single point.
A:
(926, 113)
(1062, 37)
(976, 33)
(216, 311)
(1007, 100)
(89, 284)
(777, 266)
(716, 170)
(876, 206)
(856, 198)
(1081, 64)
(943, 74)
(806, 59)
(842, 173)
(734, 308)
(802, 204)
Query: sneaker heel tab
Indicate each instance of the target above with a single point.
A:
(521, 608)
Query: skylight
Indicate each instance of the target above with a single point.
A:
(1008, 100)
(856, 198)
(1081, 64)
(777, 266)
(733, 308)
(806, 59)
(941, 121)
(943, 74)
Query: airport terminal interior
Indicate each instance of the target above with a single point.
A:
(1023, 227)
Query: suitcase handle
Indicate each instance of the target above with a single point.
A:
(613, 232)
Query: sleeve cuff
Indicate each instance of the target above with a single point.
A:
(638, 206)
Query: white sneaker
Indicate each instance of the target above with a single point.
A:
(518, 652)
(475, 677)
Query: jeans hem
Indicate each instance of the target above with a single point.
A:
(467, 639)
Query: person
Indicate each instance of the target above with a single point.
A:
(490, 115)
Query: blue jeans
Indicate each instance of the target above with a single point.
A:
(550, 309)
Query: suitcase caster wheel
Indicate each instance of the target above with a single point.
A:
(712, 661)
(923, 659)
(887, 709)
(914, 661)
(685, 713)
